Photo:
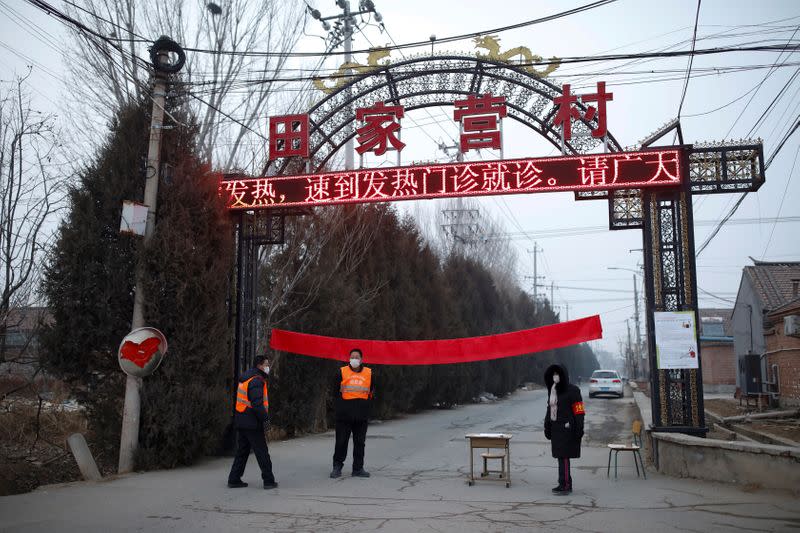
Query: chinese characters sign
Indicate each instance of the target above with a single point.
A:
(622, 170)
(676, 340)
(479, 116)
(480, 121)
(567, 112)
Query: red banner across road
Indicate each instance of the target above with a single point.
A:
(591, 172)
(438, 352)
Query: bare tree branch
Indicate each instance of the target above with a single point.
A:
(107, 76)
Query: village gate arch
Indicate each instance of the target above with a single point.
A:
(664, 215)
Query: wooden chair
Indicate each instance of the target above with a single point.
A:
(634, 447)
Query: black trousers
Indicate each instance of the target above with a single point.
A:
(564, 475)
(251, 439)
(343, 430)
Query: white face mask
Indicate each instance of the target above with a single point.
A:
(355, 362)
(266, 370)
(556, 378)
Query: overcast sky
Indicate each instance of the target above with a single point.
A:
(641, 104)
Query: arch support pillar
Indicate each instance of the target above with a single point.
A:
(671, 285)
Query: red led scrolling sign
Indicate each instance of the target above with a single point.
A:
(596, 172)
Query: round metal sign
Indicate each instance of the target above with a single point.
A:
(141, 351)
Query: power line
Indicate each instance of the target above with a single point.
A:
(691, 59)
(223, 113)
(715, 296)
(766, 77)
(783, 197)
(416, 44)
(588, 59)
(586, 230)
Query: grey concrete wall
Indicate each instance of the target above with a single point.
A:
(775, 467)
(681, 455)
(716, 388)
(748, 327)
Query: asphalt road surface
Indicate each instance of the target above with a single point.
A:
(419, 466)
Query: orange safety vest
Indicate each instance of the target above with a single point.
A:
(356, 385)
(242, 400)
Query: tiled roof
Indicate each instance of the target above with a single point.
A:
(788, 308)
(724, 314)
(773, 282)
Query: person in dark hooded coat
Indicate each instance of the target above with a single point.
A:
(563, 423)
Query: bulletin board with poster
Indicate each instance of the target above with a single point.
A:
(676, 340)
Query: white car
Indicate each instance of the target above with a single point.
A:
(605, 382)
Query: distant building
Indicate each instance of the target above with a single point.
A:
(716, 348)
(19, 343)
(768, 294)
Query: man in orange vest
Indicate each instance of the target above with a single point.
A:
(356, 389)
(252, 415)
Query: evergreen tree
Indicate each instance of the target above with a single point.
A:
(89, 279)
(89, 287)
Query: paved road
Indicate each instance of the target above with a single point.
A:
(418, 467)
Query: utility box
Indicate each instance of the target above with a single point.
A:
(752, 373)
(791, 325)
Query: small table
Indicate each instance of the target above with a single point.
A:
(490, 441)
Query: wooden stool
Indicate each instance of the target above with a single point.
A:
(493, 455)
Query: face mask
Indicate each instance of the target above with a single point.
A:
(355, 363)
(556, 378)
(266, 370)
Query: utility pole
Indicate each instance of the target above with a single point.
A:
(535, 273)
(638, 351)
(129, 440)
(349, 156)
(629, 350)
(346, 39)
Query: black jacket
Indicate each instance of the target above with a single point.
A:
(254, 417)
(352, 410)
(566, 432)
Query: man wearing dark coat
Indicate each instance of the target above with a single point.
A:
(563, 423)
(250, 419)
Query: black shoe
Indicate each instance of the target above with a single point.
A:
(272, 485)
(236, 484)
(360, 473)
(336, 472)
(558, 489)
(564, 492)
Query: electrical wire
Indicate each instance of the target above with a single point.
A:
(766, 77)
(783, 197)
(453, 38)
(586, 59)
(715, 296)
(691, 60)
(587, 230)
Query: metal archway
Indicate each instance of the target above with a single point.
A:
(429, 81)
(664, 216)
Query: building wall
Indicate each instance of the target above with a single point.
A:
(784, 352)
(748, 327)
(719, 368)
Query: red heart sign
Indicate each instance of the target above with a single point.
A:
(140, 353)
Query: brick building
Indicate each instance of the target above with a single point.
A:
(783, 352)
(768, 293)
(716, 348)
